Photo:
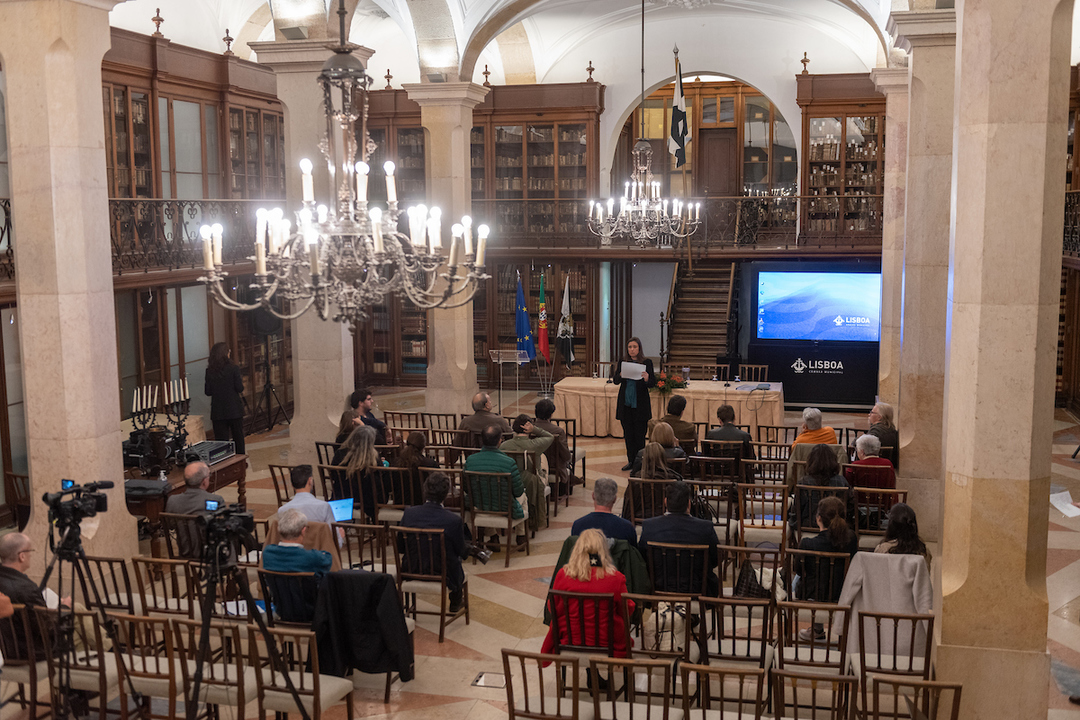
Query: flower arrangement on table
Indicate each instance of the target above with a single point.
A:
(666, 384)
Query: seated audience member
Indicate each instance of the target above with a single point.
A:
(362, 402)
(683, 430)
(16, 551)
(605, 490)
(349, 420)
(533, 442)
(491, 459)
(193, 500)
(822, 470)
(412, 458)
(481, 418)
(882, 427)
(558, 453)
(811, 432)
(867, 450)
(289, 555)
(665, 436)
(901, 535)
(824, 584)
(678, 527)
(433, 516)
(725, 415)
(653, 467)
(359, 458)
(590, 570)
(314, 509)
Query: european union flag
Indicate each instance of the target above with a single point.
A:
(525, 340)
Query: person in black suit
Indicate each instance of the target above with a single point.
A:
(224, 385)
(678, 527)
(633, 407)
(16, 550)
(432, 516)
(728, 432)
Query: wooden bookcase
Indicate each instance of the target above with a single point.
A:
(256, 167)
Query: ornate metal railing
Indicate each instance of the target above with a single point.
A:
(7, 237)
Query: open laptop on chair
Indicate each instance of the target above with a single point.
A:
(342, 509)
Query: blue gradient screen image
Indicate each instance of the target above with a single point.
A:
(819, 306)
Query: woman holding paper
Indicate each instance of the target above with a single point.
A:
(634, 376)
(224, 384)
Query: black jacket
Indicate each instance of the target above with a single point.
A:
(681, 529)
(432, 516)
(224, 388)
(359, 624)
(22, 591)
(644, 403)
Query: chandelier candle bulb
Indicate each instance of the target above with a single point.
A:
(260, 225)
(391, 188)
(435, 230)
(313, 257)
(216, 231)
(376, 228)
(362, 170)
(697, 211)
(187, 393)
(322, 212)
(454, 249)
(481, 247)
(466, 221)
(167, 394)
(207, 249)
(307, 181)
(260, 259)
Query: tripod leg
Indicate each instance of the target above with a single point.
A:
(209, 598)
(280, 408)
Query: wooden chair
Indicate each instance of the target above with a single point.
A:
(527, 677)
(766, 471)
(113, 582)
(93, 667)
(812, 696)
(654, 632)
(326, 452)
(721, 688)
(165, 587)
(455, 499)
(690, 447)
(849, 438)
(813, 637)
(765, 563)
(292, 597)
(763, 514)
(893, 645)
(185, 535)
(771, 451)
(738, 631)
(717, 496)
(569, 425)
(646, 498)
(732, 450)
(19, 488)
(395, 491)
(225, 680)
(821, 574)
(872, 507)
(300, 654)
(421, 570)
(754, 373)
(805, 500)
(574, 629)
(253, 558)
(401, 424)
(364, 547)
(490, 501)
(678, 569)
(24, 654)
(146, 654)
(895, 697)
(282, 477)
(645, 687)
(781, 434)
(440, 421)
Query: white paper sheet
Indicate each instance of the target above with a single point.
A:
(1063, 502)
(631, 370)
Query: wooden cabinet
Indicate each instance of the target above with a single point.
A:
(256, 154)
(128, 142)
(392, 346)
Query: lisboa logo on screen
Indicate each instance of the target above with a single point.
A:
(798, 366)
(825, 367)
(840, 320)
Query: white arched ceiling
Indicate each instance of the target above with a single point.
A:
(394, 50)
(195, 23)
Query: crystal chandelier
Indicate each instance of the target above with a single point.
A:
(643, 216)
(343, 257)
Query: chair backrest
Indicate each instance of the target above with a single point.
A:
(18, 635)
(777, 434)
(146, 652)
(821, 574)
(689, 446)
(646, 498)
(663, 627)
(900, 697)
(488, 492)
(291, 595)
(87, 635)
(585, 622)
(165, 586)
(740, 629)
(678, 569)
(253, 558)
(762, 506)
(728, 449)
(814, 696)
(300, 655)
(440, 421)
(824, 647)
(766, 471)
(229, 604)
(325, 452)
(850, 436)
(528, 674)
(364, 547)
(754, 373)
(282, 477)
(420, 554)
(389, 452)
(721, 688)
(569, 425)
(455, 498)
(647, 687)
(397, 488)
(895, 643)
(806, 499)
(715, 497)
(185, 535)
(452, 437)
(224, 670)
(113, 582)
(762, 563)
(401, 424)
(872, 507)
(882, 477)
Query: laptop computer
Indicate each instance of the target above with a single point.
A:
(342, 509)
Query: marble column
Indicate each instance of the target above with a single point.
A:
(893, 82)
(930, 39)
(446, 114)
(1012, 88)
(51, 53)
(323, 368)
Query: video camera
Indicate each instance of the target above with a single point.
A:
(227, 529)
(86, 502)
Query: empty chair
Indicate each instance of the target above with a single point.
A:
(165, 586)
(226, 678)
(283, 489)
(723, 692)
(113, 582)
(738, 630)
(810, 696)
(146, 654)
(726, 449)
(364, 547)
(300, 654)
(894, 645)
(763, 514)
(325, 452)
(645, 685)
(754, 373)
(813, 637)
(24, 653)
(906, 698)
(780, 434)
(92, 668)
(766, 471)
(529, 677)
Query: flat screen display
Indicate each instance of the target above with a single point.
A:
(832, 306)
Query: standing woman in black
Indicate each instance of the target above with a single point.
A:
(224, 386)
(633, 407)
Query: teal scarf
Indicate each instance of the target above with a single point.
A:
(630, 398)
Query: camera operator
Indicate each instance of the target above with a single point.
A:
(433, 516)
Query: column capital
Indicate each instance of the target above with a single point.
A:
(891, 81)
(923, 28)
(463, 94)
(301, 56)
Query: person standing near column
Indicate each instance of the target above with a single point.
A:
(223, 384)
(633, 407)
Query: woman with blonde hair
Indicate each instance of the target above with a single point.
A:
(590, 569)
(662, 434)
(358, 456)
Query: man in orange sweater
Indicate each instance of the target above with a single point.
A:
(811, 431)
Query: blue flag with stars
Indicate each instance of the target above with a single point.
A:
(525, 340)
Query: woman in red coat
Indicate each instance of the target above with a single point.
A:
(590, 570)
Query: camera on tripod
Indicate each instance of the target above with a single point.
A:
(227, 529)
(86, 501)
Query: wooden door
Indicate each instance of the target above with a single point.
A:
(718, 172)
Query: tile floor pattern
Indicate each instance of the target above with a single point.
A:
(507, 604)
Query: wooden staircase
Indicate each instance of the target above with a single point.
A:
(700, 314)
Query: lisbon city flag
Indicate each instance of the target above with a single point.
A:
(680, 123)
(542, 327)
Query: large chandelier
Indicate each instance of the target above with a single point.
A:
(343, 257)
(643, 215)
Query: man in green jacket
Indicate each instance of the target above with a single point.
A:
(491, 459)
(533, 442)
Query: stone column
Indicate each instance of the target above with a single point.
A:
(52, 52)
(1012, 81)
(893, 82)
(322, 350)
(446, 114)
(930, 38)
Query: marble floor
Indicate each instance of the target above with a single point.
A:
(507, 603)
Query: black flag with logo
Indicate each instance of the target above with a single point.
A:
(680, 124)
